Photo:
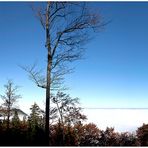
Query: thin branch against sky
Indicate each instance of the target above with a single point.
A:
(115, 72)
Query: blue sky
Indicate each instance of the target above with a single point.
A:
(114, 72)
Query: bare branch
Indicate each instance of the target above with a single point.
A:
(57, 77)
(35, 75)
(68, 108)
(9, 99)
(68, 25)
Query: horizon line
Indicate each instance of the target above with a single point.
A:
(114, 108)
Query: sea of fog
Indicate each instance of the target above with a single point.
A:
(121, 119)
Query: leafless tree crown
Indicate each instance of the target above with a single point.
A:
(9, 99)
(70, 25)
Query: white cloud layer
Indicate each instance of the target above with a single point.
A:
(121, 119)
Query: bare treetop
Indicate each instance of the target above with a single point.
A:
(10, 96)
(9, 99)
(68, 26)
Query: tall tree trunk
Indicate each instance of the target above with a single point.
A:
(49, 62)
(8, 109)
(47, 124)
(8, 119)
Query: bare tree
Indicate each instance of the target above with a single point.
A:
(68, 26)
(68, 109)
(9, 99)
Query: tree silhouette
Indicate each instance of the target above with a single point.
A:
(142, 134)
(35, 118)
(68, 110)
(9, 99)
(68, 26)
(15, 120)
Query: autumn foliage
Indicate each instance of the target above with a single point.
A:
(66, 129)
(32, 134)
